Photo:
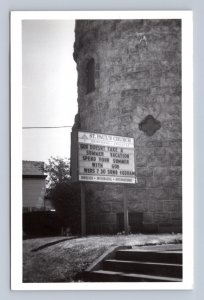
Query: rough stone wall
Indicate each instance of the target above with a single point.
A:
(137, 74)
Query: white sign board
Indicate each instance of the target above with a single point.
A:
(105, 158)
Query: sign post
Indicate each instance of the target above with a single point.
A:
(125, 210)
(83, 210)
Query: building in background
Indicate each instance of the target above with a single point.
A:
(129, 84)
(34, 187)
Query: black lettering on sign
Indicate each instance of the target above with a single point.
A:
(127, 173)
(112, 149)
(89, 152)
(120, 155)
(114, 166)
(89, 171)
(84, 146)
(98, 148)
(89, 158)
(97, 165)
(103, 159)
(112, 172)
(103, 171)
(120, 161)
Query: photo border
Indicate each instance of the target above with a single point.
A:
(16, 147)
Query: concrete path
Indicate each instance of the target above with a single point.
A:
(164, 247)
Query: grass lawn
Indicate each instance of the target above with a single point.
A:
(62, 261)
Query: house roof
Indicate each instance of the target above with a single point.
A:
(33, 168)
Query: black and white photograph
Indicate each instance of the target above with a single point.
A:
(101, 175)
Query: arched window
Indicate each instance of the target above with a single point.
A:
(90, 73)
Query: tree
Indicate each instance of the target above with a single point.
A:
(58, 170)
(64, 195)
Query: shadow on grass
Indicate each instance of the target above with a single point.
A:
(52, 243)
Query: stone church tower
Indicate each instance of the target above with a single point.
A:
(129, 84)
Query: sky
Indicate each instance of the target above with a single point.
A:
(49, 87)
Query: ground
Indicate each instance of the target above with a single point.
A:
(57, 259)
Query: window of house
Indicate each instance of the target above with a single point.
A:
(90, 72)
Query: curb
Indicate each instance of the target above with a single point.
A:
(52, 243)
(97, 264)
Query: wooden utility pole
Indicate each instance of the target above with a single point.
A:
(125, 209)
(83, 210)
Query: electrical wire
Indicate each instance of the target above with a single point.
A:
(45, 127)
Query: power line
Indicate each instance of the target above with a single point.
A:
(45, 127)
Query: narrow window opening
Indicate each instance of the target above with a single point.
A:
(90, 72)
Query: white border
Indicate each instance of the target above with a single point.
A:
(16, 147)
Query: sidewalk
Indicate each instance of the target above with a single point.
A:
(164, 247)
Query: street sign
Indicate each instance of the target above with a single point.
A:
(105, 158)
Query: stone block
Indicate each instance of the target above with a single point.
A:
(144, 172)
(177, 90)
(93, 228)
(108, 228)
(141, 84)
(150, 228)
(107, 218)
(169, 56)
(126, 119)
(127, 106)
(179, 181)
(137, 75)
(166, 81)
(167, 115)
(174, 134)
(175, 156)
(175, 143)
(158, 160)
(140, 160)
(91, 216)
(147, 218)
(105, 207)
(170, 181)
(154, 182)
(162, 217)
(175, 193)
(153, 100)
(115, 60)
(155, 205)
(134, 92)
(140, 112)
(137, 194)
(160, 171)
(175, 171)
(137, 67)
(117, 206)
(154, 143)
(172, 206)
(141, 182)
(158, 193)
(170, 228)
(115, 78)
(172, 125)
(176, 216)
(160, 151)
(138, 206)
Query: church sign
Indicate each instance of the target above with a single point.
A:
(105, 158)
